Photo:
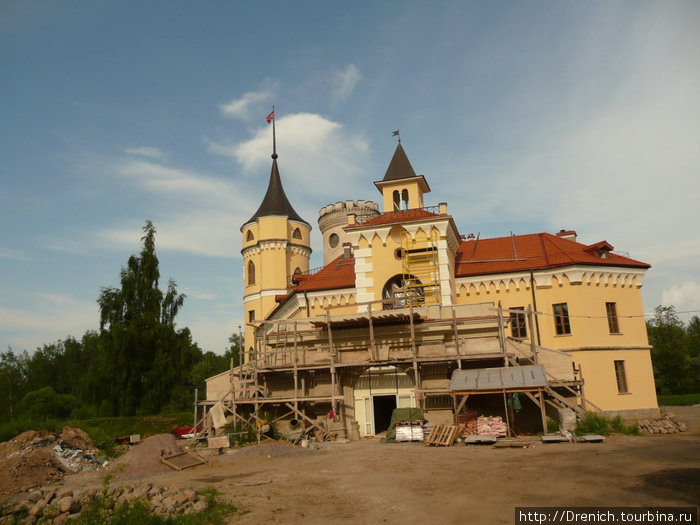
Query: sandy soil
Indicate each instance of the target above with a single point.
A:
(368, 482)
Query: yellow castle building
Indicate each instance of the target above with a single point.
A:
(408, 312)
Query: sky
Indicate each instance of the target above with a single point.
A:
(524, 116)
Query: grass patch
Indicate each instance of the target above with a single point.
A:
(678, 400)
(594, 423)
(99, 511)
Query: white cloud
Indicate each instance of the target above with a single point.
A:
(197, 213)
(685, 297)
(145, 151)
(240, 108)
(345, 81)
(51, 317)
(204, 296)
(313, 151)
(10, 253)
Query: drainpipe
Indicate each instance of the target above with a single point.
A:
(306, 298)
(534, 305)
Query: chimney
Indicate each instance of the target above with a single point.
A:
(569, 235)
(347, 250)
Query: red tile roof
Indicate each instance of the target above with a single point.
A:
(339, 273)
(535, 251)
(399, 216)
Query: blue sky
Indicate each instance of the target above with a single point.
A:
(524, 116)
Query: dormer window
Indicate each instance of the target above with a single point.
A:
(600, 250)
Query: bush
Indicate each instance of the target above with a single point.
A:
(594, 423)
(45, 403)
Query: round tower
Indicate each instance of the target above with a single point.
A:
(276, 244)
(332, 219)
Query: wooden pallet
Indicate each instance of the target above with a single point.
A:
(182, 460)
(442, 436)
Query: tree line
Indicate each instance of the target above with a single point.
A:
(675, 353)
(138, 362)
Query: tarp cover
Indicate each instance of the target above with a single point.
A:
(511, 377)
(400, 415)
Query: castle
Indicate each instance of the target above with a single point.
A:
(405, 303)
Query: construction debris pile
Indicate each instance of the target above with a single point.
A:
(36, 458)
(664, 424)
(58, 506)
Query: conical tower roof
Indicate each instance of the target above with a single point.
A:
(399, 167)
(275, 201)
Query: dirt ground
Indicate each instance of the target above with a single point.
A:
(370, 482)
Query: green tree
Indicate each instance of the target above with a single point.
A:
(13, 382)
(144, 359)
(670, 354)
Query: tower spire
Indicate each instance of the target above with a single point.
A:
(271, 116)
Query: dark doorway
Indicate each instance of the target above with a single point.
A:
(383, 407)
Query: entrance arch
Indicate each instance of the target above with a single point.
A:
(378, 391)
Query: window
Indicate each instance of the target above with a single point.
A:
(518, 328)
(397, 200)
(296, 234)
(251, 316)
(621, 377)
(249, 236)
(297, 270)
(397, 291)
(333, 240)
(561, 319)
(404, 199)
(251, 273)
(611, 310)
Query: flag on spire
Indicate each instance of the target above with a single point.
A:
(270, 117)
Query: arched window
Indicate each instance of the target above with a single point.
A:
(249, 236)
(397, 200)
(398, 289)
(251, 273)
(297, 270)
(404, 199)
(296, 234)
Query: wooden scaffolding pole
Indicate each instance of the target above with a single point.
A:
(331, 351)
(194, 426)
(456, 335)
(501, 335)
(372, 352)
(296, 370)
(533, 347)
(414, 351)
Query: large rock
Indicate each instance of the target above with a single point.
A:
(68, 504)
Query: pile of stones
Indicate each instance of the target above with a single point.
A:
(664, 424)
(60, 506)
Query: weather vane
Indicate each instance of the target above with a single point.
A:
(397, 134)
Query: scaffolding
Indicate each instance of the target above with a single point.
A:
(303, 363)
(421, 268)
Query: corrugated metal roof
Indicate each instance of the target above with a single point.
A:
(528, 376)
